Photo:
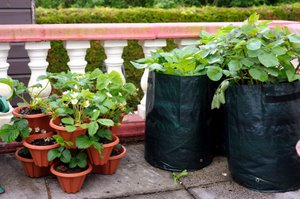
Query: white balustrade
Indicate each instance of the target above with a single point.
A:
(77, 51)
(5, 90)
(187, 42)
(37, 52)
(148, 47)
(114, 50)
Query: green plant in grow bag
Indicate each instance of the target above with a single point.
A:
(250, 54)
(181, 62)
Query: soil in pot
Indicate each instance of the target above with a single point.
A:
(36, 118)
(113, 163)
(43, 141)
(94, 155)
(30, 169)
(65, 169)
(29, 111)
(70, 182)
(39, 147)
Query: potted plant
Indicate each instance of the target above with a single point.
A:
(19, 130)
(72, 166)
(118, 152)
(105, 110)
(178, 109)
(262, 99)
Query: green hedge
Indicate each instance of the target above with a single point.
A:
(57, 56)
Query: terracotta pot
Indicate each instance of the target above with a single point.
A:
(67, 136)
(112, 165)
(35, 120)
(39, 153)
(71, 182)
(94, 155)
(30, 169)
(115, 129)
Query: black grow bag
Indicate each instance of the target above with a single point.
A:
(263, 128)
(177, 134)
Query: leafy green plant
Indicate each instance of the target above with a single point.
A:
(94, 100)
(181, 62)
(250, 54)
(105, 108)
(177, 176)
(18, 128)
(68, 156)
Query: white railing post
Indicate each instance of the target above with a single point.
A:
(37, 52)
(187, 42)
(77, 51)
(148, 47)
(5, 90)
(114, 50)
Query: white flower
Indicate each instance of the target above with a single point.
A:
(65, 92)
(120, 94)
(74, 95)
(86, 104)
(108, 94)
(74, 101)
(76, 87)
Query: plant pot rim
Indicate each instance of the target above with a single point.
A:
(61, 128)
(113, 143)
(22, 159)
(121, 155)
(27, 144)
(70, 175)
(16, 113)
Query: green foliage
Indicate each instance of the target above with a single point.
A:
(177, 176)
(250, 54)
(181, 62)
(16, 131)
(154, 3)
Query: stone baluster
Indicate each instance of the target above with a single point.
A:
(37, 52)
(114, 50)
(148, 47)
(186, 42)
(77, 51)
(5, 90)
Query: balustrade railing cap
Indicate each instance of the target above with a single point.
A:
(114, 31)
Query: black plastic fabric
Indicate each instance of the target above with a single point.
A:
(264, 126)
(177, 134)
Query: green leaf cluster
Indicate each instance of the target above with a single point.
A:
(93, 97)
(15, 131)
(250, 54)
(180, 62)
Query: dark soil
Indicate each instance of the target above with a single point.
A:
(65, 169)
(43, 141)
(105, 141)
(28, 111)
(116, 151)
(24, 153)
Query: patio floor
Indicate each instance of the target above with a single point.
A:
(136, 179)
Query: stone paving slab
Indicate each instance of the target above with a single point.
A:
(217, 171)
(181, 194)
(135, 179)
(134, 176)
(16, 184)
(232, 190)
